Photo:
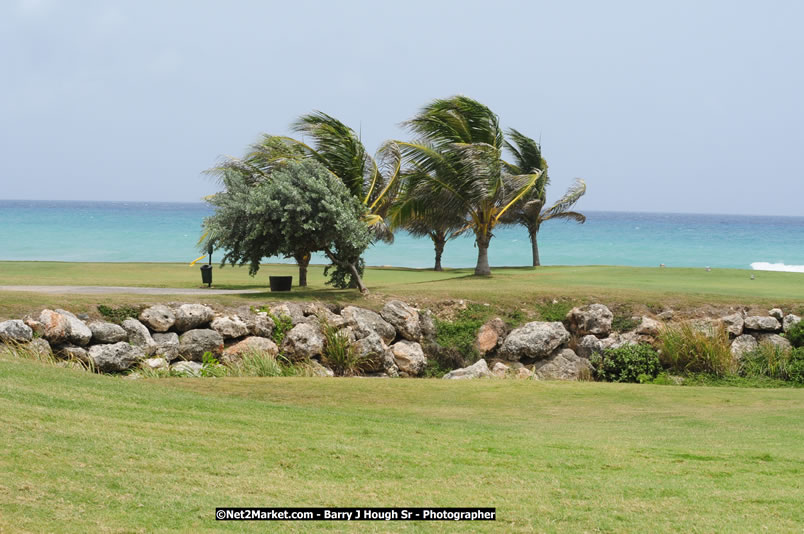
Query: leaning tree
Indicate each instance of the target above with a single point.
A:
(529, 210)
(295, 211)
(458, 167)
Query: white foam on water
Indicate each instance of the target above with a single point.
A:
(765, 266)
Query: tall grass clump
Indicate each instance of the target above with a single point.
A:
(772, 361)
(340, 354)
(27, 351)
(686, 348)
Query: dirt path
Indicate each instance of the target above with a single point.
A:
(103, 290)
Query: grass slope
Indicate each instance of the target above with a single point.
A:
(93, 453)
(508, 287)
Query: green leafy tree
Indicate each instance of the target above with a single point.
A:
(294, 211)
(529, 210)
(457, 166)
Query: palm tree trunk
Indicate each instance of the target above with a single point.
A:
(534, 245)
(482, 242)
(303, 260)
(439, 240)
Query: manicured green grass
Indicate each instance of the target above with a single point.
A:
(88, 453)
(511, 288)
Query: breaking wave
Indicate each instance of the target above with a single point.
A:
(765, 266)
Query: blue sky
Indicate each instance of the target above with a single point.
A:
(674, 106)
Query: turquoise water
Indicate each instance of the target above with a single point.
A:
(145, 231)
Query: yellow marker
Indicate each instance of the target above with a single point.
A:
(198, 258)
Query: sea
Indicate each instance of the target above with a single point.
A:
(169, 232)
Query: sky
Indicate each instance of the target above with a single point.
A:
(689, 107)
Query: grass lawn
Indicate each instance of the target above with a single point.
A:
(89, 453)
(507, 288)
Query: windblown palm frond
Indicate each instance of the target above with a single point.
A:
(561, 207)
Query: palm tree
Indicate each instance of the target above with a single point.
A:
(528, 211)
(457, 168)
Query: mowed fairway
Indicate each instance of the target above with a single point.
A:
(88, 453)
(507, 287)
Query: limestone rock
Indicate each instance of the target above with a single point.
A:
(230, 326)
(404, 318)
(158, 318)
(500, 370)
(589, 345)
(776, 313)
(533, 340)
(110, 358)
(303, 341)
(320, 370)
(489, 336)
(765, 324)
(666, 315)
(409, 357)
(593, 319)
(194, 343)
(103, 332)
(289, 309)
(261, 345)
(789, 321)
(139, 336)
(479, 369)
(743, 345)
(192, 316)
(260, 325)
(566, 365)
(776, 340)
(64, 328)
(15, 331)
(427, 323)
(319, 312)
(734, 324)
(37, 327)
(71, 352)
(39, 346)
(373, 351)
(187, 368)
(155, 363)
(167, 345)
(649, 327)
(364, 322)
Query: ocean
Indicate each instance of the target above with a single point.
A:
(169, 232)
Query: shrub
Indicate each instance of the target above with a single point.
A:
(771, 361)
(282, 324)
(629, 363)
(120, 313)
(339, 352)
(687, 349)
(460, 333)
(796, 334)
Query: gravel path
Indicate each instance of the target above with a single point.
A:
(102, 290)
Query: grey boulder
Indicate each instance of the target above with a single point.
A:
(533, 340)
(409, 357)
(566, 365)
(742, 345)
(251, 344)
(765, 324)
(734, 324)
(139, 336)
(364, 322)
(789, 321)
(303, 341)
(404, 318)
(194, 343)
(103, 332)
(230, 327)
(15, 331)
(479, 369)
(192, 316)
(61, 326)
(110, 358)
(158, 318)
(187, 368)
(593, 319)
(167, 345)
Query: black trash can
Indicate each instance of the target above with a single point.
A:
(280, 283)
(206, 275)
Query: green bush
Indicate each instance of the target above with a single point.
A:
(460, 333)
(629, 363)
(282, 324)
(120, 313)
(687, 349)
(771, 361)
(796, 334)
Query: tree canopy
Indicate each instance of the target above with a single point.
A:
(294, 211)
